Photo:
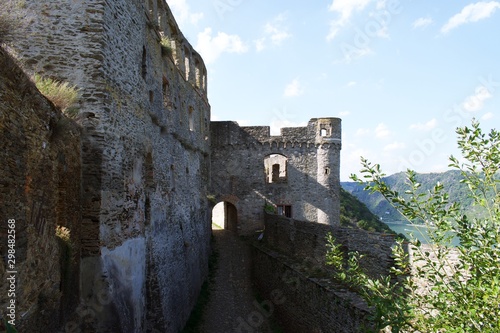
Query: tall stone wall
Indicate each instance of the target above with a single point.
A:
(145, 155)
(39, 191)
(242, 164)
(303, 240)
(289, 270)
(301, 304)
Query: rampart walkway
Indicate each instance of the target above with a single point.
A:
(233, 307)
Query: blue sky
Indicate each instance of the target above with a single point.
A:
(401, 74)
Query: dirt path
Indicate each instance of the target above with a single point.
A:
(233, 307)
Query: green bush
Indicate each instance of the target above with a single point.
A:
(441, 295)
(61, 94)
(166, 45)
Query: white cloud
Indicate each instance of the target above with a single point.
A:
(293, 89)
(362, 132)
(394, 146)
(476, 102)
(182, 12)
(344, 113)
(382, 131)
(487, 116)
(424, 127)
(212, 47)
(351, 83)
(422, 22)
(275, 32)
(344, 8)
(260, 44)
(471, 13)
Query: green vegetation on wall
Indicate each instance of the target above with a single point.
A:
(61, 94)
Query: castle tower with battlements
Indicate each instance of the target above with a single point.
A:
(295, 174)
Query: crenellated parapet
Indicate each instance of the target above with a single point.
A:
(322, 133)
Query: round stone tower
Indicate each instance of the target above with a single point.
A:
(328, 143)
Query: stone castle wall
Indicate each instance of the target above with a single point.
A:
(304, 240)
(146, 160)
(242, 160)
(40, 190)
(300, 303)
(144, 116)
(290, 261)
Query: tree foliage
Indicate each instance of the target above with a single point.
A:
(447, 288)
(354, 213)
(451, 181)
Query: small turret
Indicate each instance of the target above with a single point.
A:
(328, 140)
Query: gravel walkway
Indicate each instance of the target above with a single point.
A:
(232, 307)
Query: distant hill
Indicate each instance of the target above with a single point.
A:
(355, 214)
(379, 206)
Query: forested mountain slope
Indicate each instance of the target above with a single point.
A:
(379, 206)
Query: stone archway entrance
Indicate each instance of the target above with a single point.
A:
(225, 216)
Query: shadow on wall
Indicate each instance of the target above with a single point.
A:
(40, 204)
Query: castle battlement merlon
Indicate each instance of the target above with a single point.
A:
(325, 132)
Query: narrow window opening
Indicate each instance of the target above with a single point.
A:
(197, 74)
(284, 210)
(161, 14)
(323, 132)
(204, 80)
(327, 171)
(147, 210)
(166, 93)
(144, 66)
(151, 96)
(186, 62)
(276, 173)
(275, 166)
(191, 118)
(151, 8)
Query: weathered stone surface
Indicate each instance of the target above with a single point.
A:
(145, 156)
(40, 189)
(303, 240)
(140, 171)
(302, 304)
(291, 254)
(243, 176)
